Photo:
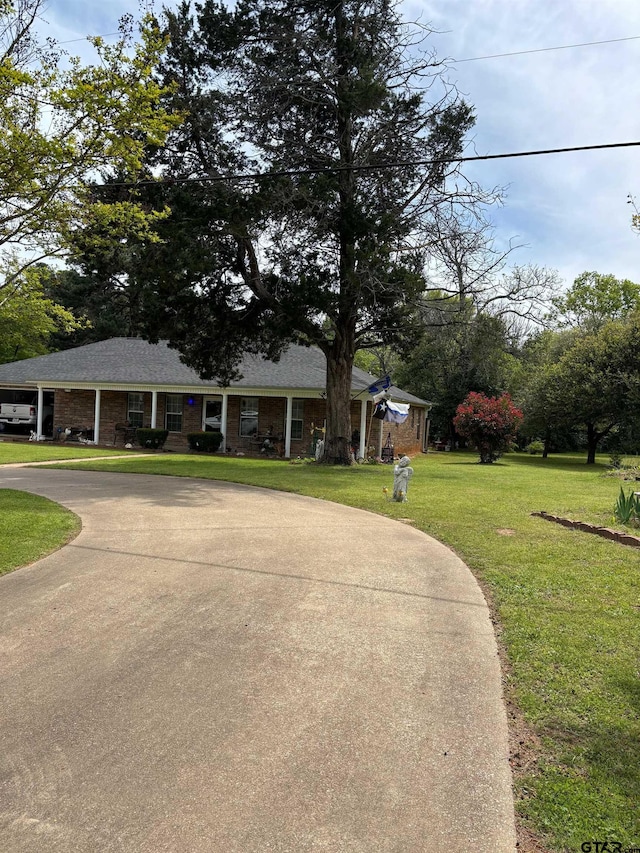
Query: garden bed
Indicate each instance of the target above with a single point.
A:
(606, 532)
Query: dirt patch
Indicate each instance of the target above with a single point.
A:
(506, 531)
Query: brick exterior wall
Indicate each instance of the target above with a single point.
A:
(75, 409)
(406, 439)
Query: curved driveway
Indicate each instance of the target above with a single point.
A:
(213, 668)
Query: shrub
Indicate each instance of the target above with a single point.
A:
(204, 442)
(490, 423)
(615, 459)
(535, 447)
(153, 439)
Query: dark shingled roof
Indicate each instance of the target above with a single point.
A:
(132, 361)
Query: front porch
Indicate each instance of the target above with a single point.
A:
(293, 424)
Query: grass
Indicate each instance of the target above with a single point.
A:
(568, 605)
(15, 451)
(32, 527)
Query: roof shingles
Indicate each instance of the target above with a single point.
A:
(133, 361)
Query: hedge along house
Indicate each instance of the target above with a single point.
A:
(100, 386)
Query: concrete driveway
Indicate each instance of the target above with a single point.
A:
(213, 668)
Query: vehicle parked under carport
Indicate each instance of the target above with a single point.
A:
(19, 411)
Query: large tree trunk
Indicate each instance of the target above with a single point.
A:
(337, 448)
(593, 437)
(340, 352)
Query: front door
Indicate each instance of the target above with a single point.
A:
(212, 414)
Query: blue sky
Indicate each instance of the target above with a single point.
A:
(569, 210)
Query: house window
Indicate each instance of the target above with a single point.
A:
(173, 416)
(135, 409)
(249, 415)
(297, 417)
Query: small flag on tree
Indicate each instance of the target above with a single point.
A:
(380, 385)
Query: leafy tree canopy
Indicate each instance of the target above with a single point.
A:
(29, 320)
(594, 299)
(60, 126)
(596, 382)
(104, 311)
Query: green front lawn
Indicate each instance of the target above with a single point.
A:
(46, 451)
(568, 605)
(32, 527)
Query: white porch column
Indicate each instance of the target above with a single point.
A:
(363, 429)
(96, 418)
(40, 415)
(154, 409)
(427, 424)
(223, 420)
(287, 428)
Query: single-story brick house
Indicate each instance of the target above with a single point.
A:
(98, 386)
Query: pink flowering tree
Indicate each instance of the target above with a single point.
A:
(490, 423)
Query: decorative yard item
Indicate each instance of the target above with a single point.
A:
(490, 423)
(402, 473)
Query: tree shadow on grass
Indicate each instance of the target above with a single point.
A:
(606, 757)
(601, 758)
(575, 464)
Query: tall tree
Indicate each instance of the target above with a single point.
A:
(59, 126)
(355, 140)
(466, 267)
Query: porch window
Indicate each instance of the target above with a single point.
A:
(135, 409)
(297, 419)
(249, 415)
(173, 415)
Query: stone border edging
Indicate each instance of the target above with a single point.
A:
(605, 532)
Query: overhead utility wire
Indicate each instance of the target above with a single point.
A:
(86, 38)
(544, 49)
(369, 167)
(457, 61)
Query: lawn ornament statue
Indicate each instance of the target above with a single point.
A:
(402, 473)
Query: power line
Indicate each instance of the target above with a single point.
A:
(544, 49)
(86, 38)
(457, 61)
(400, 164)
